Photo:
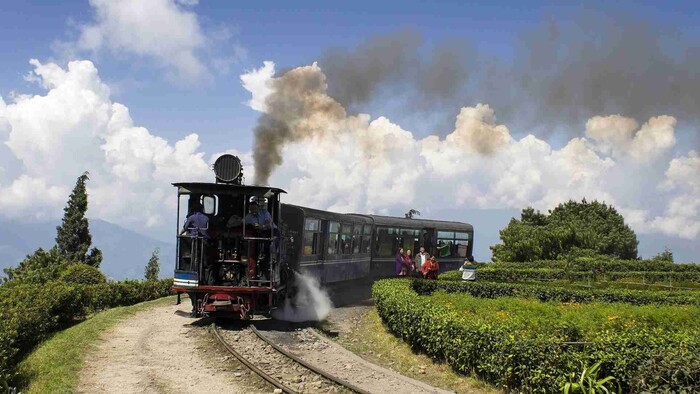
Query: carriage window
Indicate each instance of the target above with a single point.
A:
(464, 236)
(332, 244)
(346, 239)
(365, 246)
(410, 240)
(312, 236)
(356, 238)
(209, 204)
(462, 248)
(445, 247)
(446, 234)
(365, 239)
(453, 244)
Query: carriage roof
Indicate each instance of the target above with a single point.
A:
(391, 221)
(223, 188)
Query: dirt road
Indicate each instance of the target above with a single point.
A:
(157, 351)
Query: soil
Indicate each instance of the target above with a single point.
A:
(158, 351)
(323, 353)
(163, 350)
(277, 365)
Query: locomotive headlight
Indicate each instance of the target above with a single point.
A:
(228, 169)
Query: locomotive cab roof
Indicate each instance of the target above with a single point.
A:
(223, 188)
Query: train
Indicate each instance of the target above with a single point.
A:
(241, 249)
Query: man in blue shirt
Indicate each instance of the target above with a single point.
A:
(197, 223)
(259, 219)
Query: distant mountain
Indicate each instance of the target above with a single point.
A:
(125, 252)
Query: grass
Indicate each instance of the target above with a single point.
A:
(54, 366)
(371, 340)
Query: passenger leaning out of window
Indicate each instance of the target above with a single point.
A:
(430, 268)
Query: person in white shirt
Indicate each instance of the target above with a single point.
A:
(468, 269)
(420, 259)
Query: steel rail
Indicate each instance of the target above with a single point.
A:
(252, 367)
(325, 374)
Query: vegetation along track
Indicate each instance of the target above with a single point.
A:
(277, 366)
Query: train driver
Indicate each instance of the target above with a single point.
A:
(260, 219)
(197, 223)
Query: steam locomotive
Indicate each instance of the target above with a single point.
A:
(240, 259)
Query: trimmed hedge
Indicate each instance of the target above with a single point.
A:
(544, 292)
(601, 265)
(528, 352)
(497, 274)
(31, 312)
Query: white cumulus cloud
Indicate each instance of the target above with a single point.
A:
(616, 135)
(76, 127)
(166, 31)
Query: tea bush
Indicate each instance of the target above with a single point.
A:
(31, 312)
(494, 273)
(605, 264)
(525, 345)
(551, 292)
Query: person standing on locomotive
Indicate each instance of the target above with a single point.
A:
(259, 219)
(197, 223)
(261, 222)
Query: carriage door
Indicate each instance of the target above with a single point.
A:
(428, 240)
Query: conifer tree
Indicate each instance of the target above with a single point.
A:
(153, 266)
(73, 237)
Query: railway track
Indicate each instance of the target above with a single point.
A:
(279, 367)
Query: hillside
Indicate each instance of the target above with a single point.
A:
(125, 252)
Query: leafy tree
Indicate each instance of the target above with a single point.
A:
(39, 267)
(666, 255)
(83, 274)
(570, 229)
(153, 266)
(73, 237)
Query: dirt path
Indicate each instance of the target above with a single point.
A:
(157, 351)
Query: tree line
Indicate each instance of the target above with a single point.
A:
(572, 229)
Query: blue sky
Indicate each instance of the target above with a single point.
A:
(291, 34)
(648, 171)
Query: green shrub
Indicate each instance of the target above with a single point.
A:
(556, 292)
(676, 370)
(39, 267)
(84, 274)
(493, 273)
(601, 265)
(30, 312)
(524, 345)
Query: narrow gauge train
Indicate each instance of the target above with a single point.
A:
(242, 261)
